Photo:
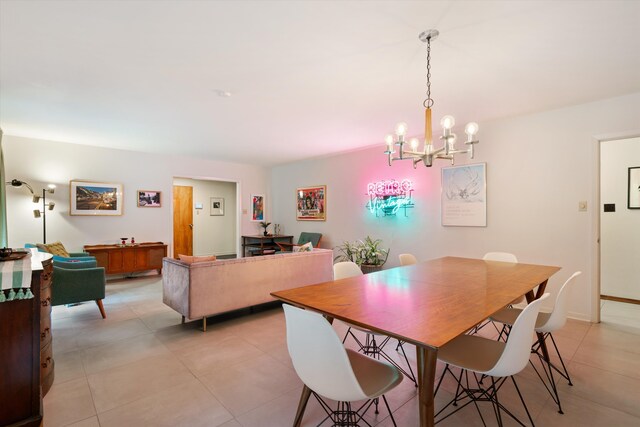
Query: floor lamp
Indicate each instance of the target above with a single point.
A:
(37, 213)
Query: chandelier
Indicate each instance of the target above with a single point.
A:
(448, 149)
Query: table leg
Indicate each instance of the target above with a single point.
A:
(531, 297)
(427, 358)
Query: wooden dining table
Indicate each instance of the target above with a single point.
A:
(426, 304)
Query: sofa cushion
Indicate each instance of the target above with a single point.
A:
(191, 259)
(56, 248)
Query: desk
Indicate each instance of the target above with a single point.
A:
(426, 304)
(262, 243)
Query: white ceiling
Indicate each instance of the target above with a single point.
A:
(307, 78)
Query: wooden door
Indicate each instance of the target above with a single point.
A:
(182, 220)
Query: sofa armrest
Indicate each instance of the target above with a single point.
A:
(75, 264)
(79, 254)
(71, 286)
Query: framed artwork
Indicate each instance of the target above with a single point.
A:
(217, 206)
(464, 196)
(633, 190)
(257, 207)
(311, 203)
(95, 198)
(149, 199)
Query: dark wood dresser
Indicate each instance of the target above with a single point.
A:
(25, 349)
(117, 259)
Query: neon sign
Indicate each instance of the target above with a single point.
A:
(389, 196)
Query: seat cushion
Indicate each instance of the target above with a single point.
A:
(56, 248)
(375, 377)
(472, 352)
(508, 316)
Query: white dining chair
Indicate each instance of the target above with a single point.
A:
(333, 372)
(407, 259)
(495, 359)
(546, 323)
(501, 257)
(371, 346)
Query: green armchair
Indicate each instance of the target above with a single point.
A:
(305, 237)
(75, 282)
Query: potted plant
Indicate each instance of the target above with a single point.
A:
(265, 224)
(367, 254)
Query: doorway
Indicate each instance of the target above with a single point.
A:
(205, 215)
(619, 232)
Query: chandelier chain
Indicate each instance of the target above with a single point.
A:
(428, 103)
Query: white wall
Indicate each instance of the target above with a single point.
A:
(619, 230)
(40, 162)
(539, 167)
(212, 235)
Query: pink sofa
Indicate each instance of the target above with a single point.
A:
(203, 289)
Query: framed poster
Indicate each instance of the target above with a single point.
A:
(149, 199)
(95, 198)
(633, 190)
(257, 207)
(311, 203)
(464, 196)
(217, 206)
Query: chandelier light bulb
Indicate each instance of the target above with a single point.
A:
(401, 129)
(447, 122)
(471, 129)
(388, 139)
(414, 144)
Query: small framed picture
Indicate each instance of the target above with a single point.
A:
(149, 199)
(95, 198)
(311, 203)
(217, 206)
(257, 207)
(633, 196)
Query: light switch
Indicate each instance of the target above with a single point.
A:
(244, 211)
(582, 206)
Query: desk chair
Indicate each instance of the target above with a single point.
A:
(370, 347)
(332, 372)
(304, 238)
(546, 323)
(495, 359)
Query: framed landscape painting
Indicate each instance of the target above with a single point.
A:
(257, 207)
(95, 198)
(149, 199)
(311, 203)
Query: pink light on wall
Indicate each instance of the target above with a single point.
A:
(389, 187)
(388, 196)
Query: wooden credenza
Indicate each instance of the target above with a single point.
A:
(26, 358)
(118, 259)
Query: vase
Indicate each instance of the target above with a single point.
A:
(265, 233)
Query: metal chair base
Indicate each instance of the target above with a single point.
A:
(345, 416)
(467, 394)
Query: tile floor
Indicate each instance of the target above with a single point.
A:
(141, 367)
